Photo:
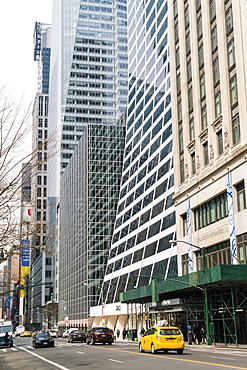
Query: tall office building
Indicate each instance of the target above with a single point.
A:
(209, 85)
(208, 47)
(145, 219)
(41, 262)
(88, 87)
(209, 103)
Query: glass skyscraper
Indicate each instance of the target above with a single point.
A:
(145, 219)
(88, 88)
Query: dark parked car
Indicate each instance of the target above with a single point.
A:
(43, 339)
(77, 335)
(100, 335)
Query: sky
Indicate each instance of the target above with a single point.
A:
(18, 70)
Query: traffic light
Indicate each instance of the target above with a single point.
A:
(51, 291)
(133, 283)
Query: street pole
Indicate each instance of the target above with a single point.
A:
(206, 314)
(205, 293)
(204, 265)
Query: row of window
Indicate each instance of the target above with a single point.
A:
(216, 209)
(139, 277)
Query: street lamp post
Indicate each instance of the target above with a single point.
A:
(102, 301)
(206, 306)
(204, 265)
(205, 293)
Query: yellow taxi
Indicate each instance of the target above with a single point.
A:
(26, 334)
(162, 338)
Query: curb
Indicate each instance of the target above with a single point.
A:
(217, 347)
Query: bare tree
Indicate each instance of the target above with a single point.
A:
(16, 163)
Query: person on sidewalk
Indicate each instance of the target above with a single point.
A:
(203, 335)
(118, 333)
(142, 331)
(124, 333)
(6, 339)
(197, 336)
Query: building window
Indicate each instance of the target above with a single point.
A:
(242, 253)
(206, 154)
(209, 212)
(193, 163)
(204, 118)
(220, 142)
(231, 54)
(178, 84)
(182, 178)
(202, 86)
(179, 111)
(212, 10)
(200, 56)
(192, 129)
(186, 17)
(198, 4)
(175, 8)
(176, 32)
(214, 40)
(218, 254)
(39, 180)
(233, 91)
(199, 27)
(189, 71)
(38, 192)
(190, 99)
(229, 20)
(216, 71)
(187, 42)
(217, 105)
(240, 189)
(177, 58)
(184, 224)
(181, 144)
(236, 130)
(185, 267)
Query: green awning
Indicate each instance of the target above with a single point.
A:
(221, 275)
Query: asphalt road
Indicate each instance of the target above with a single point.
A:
(119, 356)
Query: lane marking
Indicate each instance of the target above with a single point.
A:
(223, 358)
(4, 350)
(111, 359)
(44, 359)
(14, 349)
(80, 352)
(172, 358)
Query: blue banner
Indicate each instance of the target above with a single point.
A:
(190, 253)
(233, 243)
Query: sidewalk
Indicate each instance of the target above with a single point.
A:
(217, 346)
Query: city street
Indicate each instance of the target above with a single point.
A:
(121, 355)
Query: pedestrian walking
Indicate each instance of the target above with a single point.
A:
(6, 337)
(118, 333)
(197, 336)
(124, 333)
